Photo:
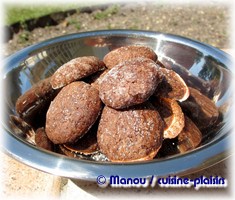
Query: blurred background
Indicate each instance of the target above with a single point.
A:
(26, 24)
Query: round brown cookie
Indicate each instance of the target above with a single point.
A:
(33, 104)
(86, 145)
(134, 134)
(95, 82)
(200, 109)
(172, 115)
(42, 140)
(72, 113)
(190, 137)
(172, 86)
(75, 69)
(125, 53)
(130, 83)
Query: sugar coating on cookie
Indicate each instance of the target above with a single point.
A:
(75, 69)
(72, 113)
(129, 83)
(130, 135)
(125, 53)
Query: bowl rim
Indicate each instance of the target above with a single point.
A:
(60, 165)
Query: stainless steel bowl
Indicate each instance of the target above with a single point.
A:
(201, 65)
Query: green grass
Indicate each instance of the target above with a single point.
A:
(75, 23)
(22, 13)
(23, 37)
(107, 13)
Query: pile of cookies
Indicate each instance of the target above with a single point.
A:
(123, 106)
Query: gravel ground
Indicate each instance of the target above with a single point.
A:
(209, 24)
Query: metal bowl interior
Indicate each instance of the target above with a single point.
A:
(201, 66)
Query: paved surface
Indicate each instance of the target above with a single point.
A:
(23, 182)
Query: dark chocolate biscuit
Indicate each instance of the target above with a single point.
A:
(130, 83)
(172, 115)
(126, 53)
(72, 113)
(200, 109)
(87, 145)
(190, 137)
(172, 86)
(42, 140)
(75, 70)
(33, 104)
(134, 134)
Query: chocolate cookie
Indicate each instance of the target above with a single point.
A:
(172, 86)
(130, 83)
(126, 53)
(72, 113)
(190, 137)
(33, 104)
(42, 140)
(95, 82)
(86, 145)
(171, 113)
(134, 134)
(75, 70)
(200, 109)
